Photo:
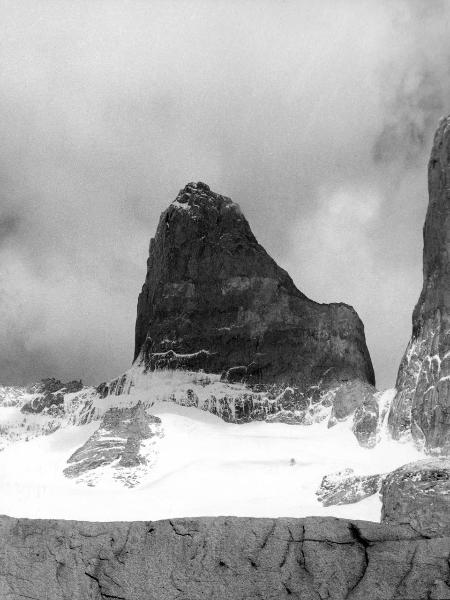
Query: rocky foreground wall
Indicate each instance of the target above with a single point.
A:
(222, 558)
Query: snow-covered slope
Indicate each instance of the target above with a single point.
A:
(198, 465)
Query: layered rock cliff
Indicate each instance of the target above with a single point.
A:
(214, 300)
(220, 558)
(421, 408)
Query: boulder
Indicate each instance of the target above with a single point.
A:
(344, 487)
(418, 495)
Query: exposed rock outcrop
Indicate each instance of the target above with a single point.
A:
(359, 401)
(422, 405)
(348, 398)
(344, 487)
(367, 422)
(44, 407)
(418, 495)
(48, 396)
(214, 300)
(232, 402)
(220, 558)
(118, 443)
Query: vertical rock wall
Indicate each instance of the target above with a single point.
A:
(421, 408)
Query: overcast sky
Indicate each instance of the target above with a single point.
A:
(316, 117)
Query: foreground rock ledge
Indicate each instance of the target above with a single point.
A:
(224, 558)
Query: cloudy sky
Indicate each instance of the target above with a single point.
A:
(317, 117)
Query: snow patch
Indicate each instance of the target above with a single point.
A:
(205, 467)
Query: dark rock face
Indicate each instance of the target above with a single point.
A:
(51, 385)
(221, 558)
(214, 300)
(422, 405)
(346, 488)
(51, 396)
(418, 495)
(117, 442)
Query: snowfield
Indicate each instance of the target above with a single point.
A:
(203, 466)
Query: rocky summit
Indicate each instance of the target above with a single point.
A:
(214, 300)
(421, 408)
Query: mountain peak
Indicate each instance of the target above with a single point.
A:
(198, 196)
(214, 300)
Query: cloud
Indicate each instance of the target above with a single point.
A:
(316, 117)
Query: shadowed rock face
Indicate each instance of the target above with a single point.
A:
(213, 299)
(422, 405)
(220, 558)
(50, 396)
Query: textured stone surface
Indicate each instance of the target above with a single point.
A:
(49, 396)
(418, 494)
(348, 398)
(220, 558)
(213, 299)
(52, 385)
(344, 487)
(422, 405)
(232, 402)
(117, 443)
(366, 422)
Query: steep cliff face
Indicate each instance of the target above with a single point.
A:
(421, 407)
(220, 558)
(213, 299)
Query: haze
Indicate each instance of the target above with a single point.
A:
(316, 117)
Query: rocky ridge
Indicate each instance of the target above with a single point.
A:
(118, 443)
(43, 408)
(48, 395)
(421, 408)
